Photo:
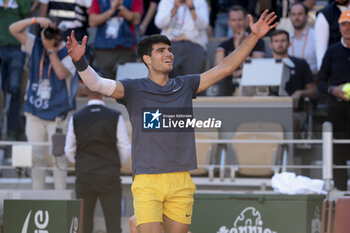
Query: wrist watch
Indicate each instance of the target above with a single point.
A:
(50, 51)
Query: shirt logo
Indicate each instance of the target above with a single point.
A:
(175, 90)
(151, 120)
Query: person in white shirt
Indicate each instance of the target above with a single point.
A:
(185, 23)
(302, 40)
(98, 143)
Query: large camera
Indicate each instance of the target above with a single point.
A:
(50, 33)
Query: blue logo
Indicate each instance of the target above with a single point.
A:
(151, 120)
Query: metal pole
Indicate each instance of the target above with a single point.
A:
(327, 154)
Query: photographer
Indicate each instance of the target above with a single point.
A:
(48, 99)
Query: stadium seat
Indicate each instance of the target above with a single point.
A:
(258, 153)
(205, 153)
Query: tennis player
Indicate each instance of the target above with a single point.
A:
(162, 187)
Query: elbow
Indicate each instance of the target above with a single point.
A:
(92, 21)
(12, 29)
(136, 18)
(200, 24)
(63, 75)
(160, 23)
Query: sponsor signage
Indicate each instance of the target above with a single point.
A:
(248, 221)
(254, 213)
(42, 216)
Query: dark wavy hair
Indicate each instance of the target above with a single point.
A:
(144, 47)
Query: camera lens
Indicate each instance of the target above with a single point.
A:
(50, 33)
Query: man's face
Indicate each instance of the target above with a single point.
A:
(342, 2)
(279, 44)
(298, 16)
(237, 21)
(161, 59)
(345, 30)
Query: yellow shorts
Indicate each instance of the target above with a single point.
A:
(170, 194)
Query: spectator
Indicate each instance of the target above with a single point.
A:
(333, 75)
(12, 58)
(327, 27)
(303, 38)
(72, 15)
(185, 24)
(237, 22)
(116, 35)
(219, 16)
(50, 95)
(279, 4)
(162, 187)
(300, 84)
(98, 144)
(147, 26)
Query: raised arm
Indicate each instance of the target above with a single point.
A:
(235, 59)
(91, 79)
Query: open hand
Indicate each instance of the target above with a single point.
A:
(263, 25)
(45, 22)
(75, 50)
(189, 3)
(115, 4)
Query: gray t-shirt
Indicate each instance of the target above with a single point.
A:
(160, 152)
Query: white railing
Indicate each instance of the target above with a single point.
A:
(327, 142)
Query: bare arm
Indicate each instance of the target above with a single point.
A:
(310, 3)
(34, 6)
(43, 9)
(148, 18)
(17, 29)
(98, 19)
(91, 79)
(233, 61)
(60, 70)
(193, 12)
(219, 56)
(132, 17)
(310, 91)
